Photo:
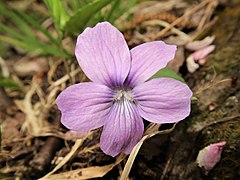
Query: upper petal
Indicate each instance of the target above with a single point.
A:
(163, 100)
(103, 54)
(84, 106)
(147, 59)
(122, 130)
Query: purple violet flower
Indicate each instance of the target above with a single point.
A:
(119, 95)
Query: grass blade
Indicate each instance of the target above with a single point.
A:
(58, 13)
(34, 23)
(79, 20)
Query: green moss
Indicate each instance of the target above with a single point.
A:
(227, 58)
(227, 36)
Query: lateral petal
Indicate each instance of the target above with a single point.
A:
(147, 59)
(84, 106)
(163, 100)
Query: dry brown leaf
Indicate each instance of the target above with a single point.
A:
(4, 68)
(10, 128)
(32, 124)
(86, 173)
(75, 147)
(27, 67)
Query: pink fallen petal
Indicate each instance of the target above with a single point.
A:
(202, 53)
(196, 45)
(209, 156)
(202, 61)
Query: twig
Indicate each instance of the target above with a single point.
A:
(52, 70)
(166, 24)
(64, 78)
(74, 149)
(207, 14)
(67, 69)
(180, 19)
(207, 26)
(209, 86)
(166, 168)
(47, 152)
(222, 120)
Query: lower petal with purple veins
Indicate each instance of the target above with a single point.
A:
(123, 128)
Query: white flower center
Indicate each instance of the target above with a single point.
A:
(123, 95)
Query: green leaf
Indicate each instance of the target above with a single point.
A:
(119, 8)
(7, 82)
(58, 12)
(13, 41)
(16, 19)
(22, 35)
(34, 45)
(79, 20)
(166, 72)
(11, 32)
(75, 5)
(31, 21)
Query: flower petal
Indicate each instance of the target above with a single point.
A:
(122, 129)
(103, 54)
(163, 100)
(209, 156)
(147, 59)
(84, 106)
(202, 53)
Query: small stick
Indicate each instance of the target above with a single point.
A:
(166, 24)
(207, 14)
(222, 120)
(166, 168)
(47, 152)
(180, 19)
